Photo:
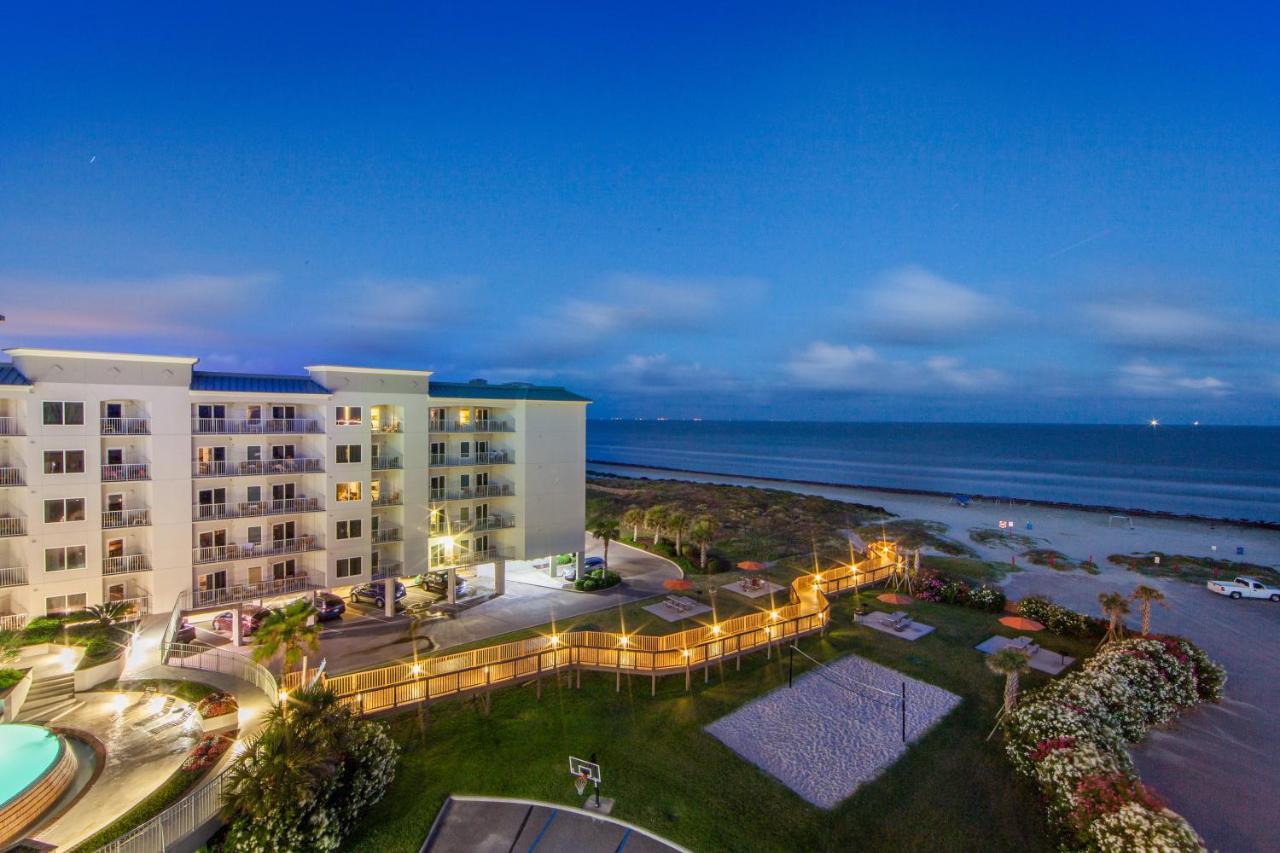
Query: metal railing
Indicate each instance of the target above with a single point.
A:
(126, 471)
(202, 598)
(11, 476)
(13, 526)
(388, 534)
(13, 621)
(113, 518)
(475, 525)
(471, 558)
(259, 426)
(258, 467)
(254, 509)
(125, 426)
(253, 550)
(385, 569)
(494, 491)
(393, 499)
(486, 457)
(490, 425)
(387, 428)
(15, 576)
(10, 426)
(387, 463)
(126, 564)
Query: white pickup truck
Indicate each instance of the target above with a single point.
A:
(1243, 587)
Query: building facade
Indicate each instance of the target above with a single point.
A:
(141, 478)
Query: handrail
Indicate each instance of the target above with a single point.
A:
(124, 426)
(489, 425)
(13, 576)
(495, 490)
(259, 426)
(475, 525)
(11, 475)
(254, 550)
(258, 467)
(254, 509)
(217, 597)
(486, 457)
(13, 525)
(125, 564)
(10, 426)
(126, 471)
(135, 517)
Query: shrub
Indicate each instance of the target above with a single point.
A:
(932, 585)
(10, 677)
(206, 753)
(42, 629)
(988, 598)
(1058, 620)
(216, 705)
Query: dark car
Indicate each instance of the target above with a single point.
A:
(437, 582)
(329, 606)
(250, 621)
(376, 592)
(589, 565)
(186, 632)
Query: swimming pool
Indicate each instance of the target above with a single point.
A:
(26, 754)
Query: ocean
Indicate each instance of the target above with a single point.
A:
(1218, 472)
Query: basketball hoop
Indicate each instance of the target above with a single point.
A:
(580, 782)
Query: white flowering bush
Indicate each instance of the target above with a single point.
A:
(1070, 738)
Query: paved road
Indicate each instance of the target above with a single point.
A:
(501, 826)
(1218, 765)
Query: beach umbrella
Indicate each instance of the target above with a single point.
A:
(894, 598)
(750, 566)
(678, 584)
(1021, 623)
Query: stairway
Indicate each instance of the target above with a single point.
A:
(49, 696)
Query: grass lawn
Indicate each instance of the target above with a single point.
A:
(1193, 569)
(953, 790)
(187, 691)
(912, 533)
(1057, 560)
(978, 571)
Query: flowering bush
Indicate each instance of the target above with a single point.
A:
(1070, 738)
(987, 598)
(939, 587)
(206, 753)
(216, 705)
(1059, 620)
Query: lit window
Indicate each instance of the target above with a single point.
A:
(347, 416)
(348, 491)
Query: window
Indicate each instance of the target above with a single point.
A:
(63, 509)
(253, 453)
(348, 567)
(64, 559)
(58, 414)
(347, 416)
(284, 569)
(348, 491)
(348, 453)
(255, 535)
(253, 494)
(349, 529)
(64, 461)
(59, 604)
(464, 417)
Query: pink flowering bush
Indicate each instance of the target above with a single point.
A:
(206, 753)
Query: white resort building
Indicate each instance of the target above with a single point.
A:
(141, 478)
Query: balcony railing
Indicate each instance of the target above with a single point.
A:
(16, 576)
(125, 426)
(393, 499)
(391, 427)
(10, 476)
(258, 467)
(387, 463)
(13, 526)
(126, 471)
(490, 425)
(260, 426)
(487, 457)
(127, 563)
(254, 509)
(471, 558)
(475, 525)
(386, 569)
(245, 592)
(114, 518)
(10, 426)
(388, 534)
(495, 491)
(254, 550)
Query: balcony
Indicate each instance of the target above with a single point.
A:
(11, 426)
(254, 550)
(13, 526)
(388, 534)
(16, 576)
(10, 476)
(113, 518)
(387, 428)
(497, 491)
(487, 457)
(258, 467)
(490, 425)
(387, 463)
(126, 471)
(393, 499)
(125, 426)
(201, 598)
(471, 558)
(475, 525)
(387, 569)
(254, 509)
(260, 426)
(126, 564)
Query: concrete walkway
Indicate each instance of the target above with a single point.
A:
(480, 825)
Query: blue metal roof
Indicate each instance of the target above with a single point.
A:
(254, 383)
(9, 375)
(481, 390)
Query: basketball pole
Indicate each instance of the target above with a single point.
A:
(791, 663)
(904, 712)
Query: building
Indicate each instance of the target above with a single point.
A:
(141, 478)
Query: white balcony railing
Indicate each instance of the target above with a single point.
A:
(487, 457)
(13, 526)
(387, 569)
(15, 576)
(254, 550)
(10, 426)
(387, 463)
(494, 491)
(125, 564)
(11, 476)
(388, 534)
(389, 427)
(259, 426)
(489, 425)
(392, 499)
(475, 525)
(114, 518)
(126, 471)
(254, 509)
(245, 592)
(258, 467)
(125, 426)
(471, 558)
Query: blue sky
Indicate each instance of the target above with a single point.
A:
(717, 210)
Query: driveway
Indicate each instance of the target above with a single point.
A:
(477, 825)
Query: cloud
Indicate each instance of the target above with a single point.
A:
(912, 305)
(1168, 328)
(1143, 378)
(659, 374)
(837, 367)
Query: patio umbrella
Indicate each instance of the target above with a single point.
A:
(678, 584)
(750, 566)
(1021, 623)
(894, 598)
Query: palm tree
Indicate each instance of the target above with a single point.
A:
(1114, 607)
(677, 525)
(702, 532)
(1146, 596)
(655, 518)
(606, 529)
(109, 611)
(634, 518)
(290, 629)
(1010, 663)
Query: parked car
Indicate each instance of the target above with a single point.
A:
(377, 592)
(186, 632)
(589, 565)
(1244, 587)
(437, 582)
(250, 621)
(329, 606)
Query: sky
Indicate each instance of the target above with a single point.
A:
(1009, 212)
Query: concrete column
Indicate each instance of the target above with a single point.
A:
(551, 565)
(582, 559)
(236, 638)
(389, 595)
(499, 577)
(452, 594)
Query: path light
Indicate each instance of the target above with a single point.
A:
(715, 629)
(416, 669)
(555, 639)
(773, 614)
(284, 696)
(622, 640)
(685, 652)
